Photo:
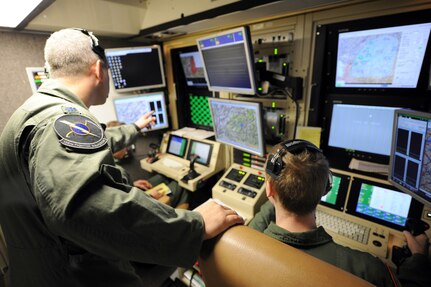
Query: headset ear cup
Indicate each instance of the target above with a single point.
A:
(329, 183)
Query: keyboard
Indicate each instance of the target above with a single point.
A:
(172, 163)
(343, 227)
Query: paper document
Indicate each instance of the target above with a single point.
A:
(368, 166)
(161, 188)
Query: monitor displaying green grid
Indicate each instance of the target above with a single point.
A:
(200, 115)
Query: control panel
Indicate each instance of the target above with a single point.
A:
(189, 161)
(243, 189)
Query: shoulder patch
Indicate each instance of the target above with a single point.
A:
(79, 132)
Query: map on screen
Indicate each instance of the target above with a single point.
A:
(386, 57)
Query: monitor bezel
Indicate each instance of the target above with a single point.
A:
(189, 151)
(143, 95)
(259, 119)
(169, 144)
(410, 113)
(342, 192)
(415, 210)
(146, 87)
(248, 48)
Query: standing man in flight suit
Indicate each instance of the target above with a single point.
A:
(68, 217)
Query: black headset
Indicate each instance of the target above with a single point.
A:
(275, 164)
(97, 49)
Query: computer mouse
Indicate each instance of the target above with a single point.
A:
(416, 226)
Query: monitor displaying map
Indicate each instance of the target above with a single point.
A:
(381, 58)
(130, 109)
(410, 160)
(238, 124)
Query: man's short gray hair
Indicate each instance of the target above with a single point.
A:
(69, 53)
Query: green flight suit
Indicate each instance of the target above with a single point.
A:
(414, 271)
(67, 214)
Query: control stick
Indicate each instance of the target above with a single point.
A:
(192, 172)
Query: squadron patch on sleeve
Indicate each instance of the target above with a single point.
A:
(79, 132)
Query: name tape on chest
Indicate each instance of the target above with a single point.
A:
(79, 132)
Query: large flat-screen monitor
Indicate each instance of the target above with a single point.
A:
(382, 203)
(136, 68)
(130, 109)
(193, 69)
(410, 160)
(388, 57)
(238, 124)
(228, 61)
(202, 150)
(361, 128)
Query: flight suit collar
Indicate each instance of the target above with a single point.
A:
(312, 238)
(54, 88)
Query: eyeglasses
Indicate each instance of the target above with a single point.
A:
(97, 49)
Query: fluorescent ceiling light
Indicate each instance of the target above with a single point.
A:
(13, 12)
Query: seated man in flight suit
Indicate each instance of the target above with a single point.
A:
(178, 197)
(297, 176)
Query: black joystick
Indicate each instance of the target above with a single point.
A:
(416, 226)
(192, 172)
(153, 153)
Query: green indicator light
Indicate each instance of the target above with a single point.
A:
(273, 104)
(281, 116)
(261, 178)
(242, 172)
(246, 154)
(246, 159)
(246, 164)
(260, 60)
(275, 51)
(273, 127)
(284, 64)
(260, 88)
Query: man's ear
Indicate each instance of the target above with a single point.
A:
(98, 69)
(269, 188)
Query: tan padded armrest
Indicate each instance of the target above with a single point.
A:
(242, 256)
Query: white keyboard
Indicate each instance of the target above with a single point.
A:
(172, 163)
(343, 227)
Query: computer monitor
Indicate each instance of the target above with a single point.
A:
(203, 150)
(336, 197)
(382, 203)
(177, 145)
(130, 109)
(410, 160)
(389, 57)
(238, 124)
(193, 69)
(136, 68)
(361, 128)
(228, 61)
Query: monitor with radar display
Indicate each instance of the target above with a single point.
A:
(130, 109)
(136, 68)
(388, 57)
(410, 160)
(238, 124)
(228, 61)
